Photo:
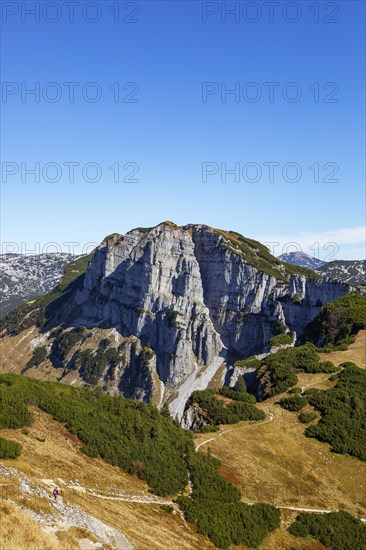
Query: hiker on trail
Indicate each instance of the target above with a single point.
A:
(55, 492)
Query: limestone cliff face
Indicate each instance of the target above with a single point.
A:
(184, 293)
(245, 302)
(189, 300)
(149, 285)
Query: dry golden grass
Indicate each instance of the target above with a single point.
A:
(276, 463)
(356, 352)
(15, 351)
(58, 460)
(272, 463)
(18, 531)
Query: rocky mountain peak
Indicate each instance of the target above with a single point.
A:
(182, 303)
(301, 259)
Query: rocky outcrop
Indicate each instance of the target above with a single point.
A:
(195, 297)
(245, 303)
(149, 285)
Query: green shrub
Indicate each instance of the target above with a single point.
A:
(342, 409)
(296, 390)
(232, 522)
(92, 365)
(348, 364)
(294, 403)
(141, 441)
(121, 431)
(281, 340)
(250, 363)
(167, 508)
(216, 509)
(240, 385)
(217, 413)
(328, 366)
(173, 318)
(9, 449)
(39, 355)
(337, 530)
(338, 321)
(104, 344)
(279, 327)
(208, 429)
(238, 392)
(307, 416)
(64, 344)
(278, 369)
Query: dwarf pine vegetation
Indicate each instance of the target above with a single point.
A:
(295, 403)
(277, 372)
(9, 449)
(215, 507)
(338, 322)
(142, 441)
(343, 412)
(337, 530)
(217, 412)
(126, 433)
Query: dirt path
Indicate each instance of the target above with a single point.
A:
(270, 418)
(64, 514)
(319, 381)
(247, 426)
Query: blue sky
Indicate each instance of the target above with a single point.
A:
(176, 123)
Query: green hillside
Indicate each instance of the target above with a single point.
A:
(142, 441)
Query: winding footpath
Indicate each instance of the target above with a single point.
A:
(223, 432)
(64, 514)
(271, 418)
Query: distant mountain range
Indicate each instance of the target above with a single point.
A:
(349, 271)
(23, 277)
(301, 259)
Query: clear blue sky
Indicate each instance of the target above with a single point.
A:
(169, 132)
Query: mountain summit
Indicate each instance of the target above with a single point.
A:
(301, 259)
(162, 311)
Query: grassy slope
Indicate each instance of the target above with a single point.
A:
(19, 531)
(58, 460)
(276, 463)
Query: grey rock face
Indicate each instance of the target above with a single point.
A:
(183, 293)
(149, 285)
(246, 303)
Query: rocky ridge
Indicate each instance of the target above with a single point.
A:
(191, 300)
(302, 259)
